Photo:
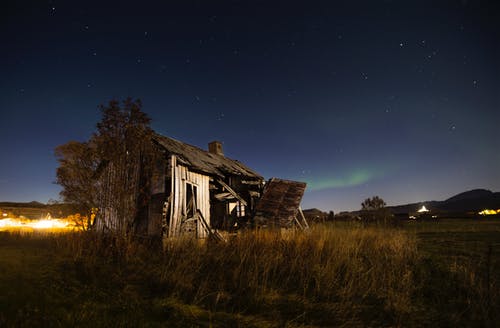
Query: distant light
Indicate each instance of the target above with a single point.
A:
(489, 212)
(423, 210)
(49, 223)
(8, 222)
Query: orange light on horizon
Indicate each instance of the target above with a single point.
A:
(47, 225)
(489, 212)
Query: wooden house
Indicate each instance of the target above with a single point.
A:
(197, 192)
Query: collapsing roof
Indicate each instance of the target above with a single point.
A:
(280, 203)
(203, 161)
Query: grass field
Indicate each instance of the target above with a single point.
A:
(444, 273)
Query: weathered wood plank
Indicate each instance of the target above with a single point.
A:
(280, 203)
(234, 193)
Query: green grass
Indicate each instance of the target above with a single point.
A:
(444, 273)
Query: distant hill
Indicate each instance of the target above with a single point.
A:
(465, 202)
(33, 204)
(471, 194)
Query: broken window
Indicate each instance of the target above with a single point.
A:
(191, 201)
(240, 210)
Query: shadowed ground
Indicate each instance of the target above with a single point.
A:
(340, 274)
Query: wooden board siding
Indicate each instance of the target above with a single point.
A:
(280, 203)
(181, 178)
(109, 219)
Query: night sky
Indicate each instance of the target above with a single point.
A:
(399, 99)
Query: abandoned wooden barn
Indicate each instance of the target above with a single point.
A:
(197, 192)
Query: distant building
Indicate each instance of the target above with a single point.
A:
(422, 213)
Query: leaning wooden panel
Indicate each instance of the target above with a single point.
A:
(206, 199)
(178, 200)
(175, 207)
(202, 199)
(200, 205)
(279, 203)
(172, 194)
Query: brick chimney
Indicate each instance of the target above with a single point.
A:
(215, 147)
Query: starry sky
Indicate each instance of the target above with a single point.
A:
(399, 99)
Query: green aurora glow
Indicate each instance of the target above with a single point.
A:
(353, 178)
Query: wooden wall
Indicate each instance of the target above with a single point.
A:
(182, 178)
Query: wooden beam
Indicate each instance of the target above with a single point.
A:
(211, 234)
(224, 196)
(173, 163)
(298, 223)
(232, 192)
(250, 182)
(303, 217)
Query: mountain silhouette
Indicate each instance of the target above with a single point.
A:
(471, 194)
(465, 202)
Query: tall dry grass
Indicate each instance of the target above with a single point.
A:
(323, 265)
(349, 270)
(331, 275)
